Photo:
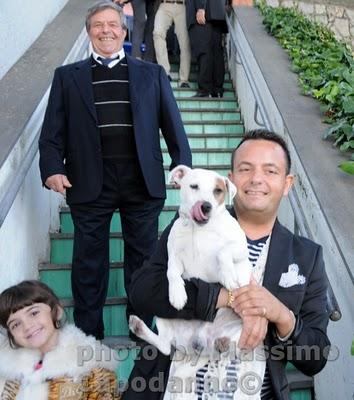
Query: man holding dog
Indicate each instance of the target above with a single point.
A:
(287, 313)
(100, 145)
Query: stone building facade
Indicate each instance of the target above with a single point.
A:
(338, 15)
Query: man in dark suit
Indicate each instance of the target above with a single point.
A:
(206, 24)
(100, 144)
(288, 312)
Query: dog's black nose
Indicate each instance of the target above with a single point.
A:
(206, 207)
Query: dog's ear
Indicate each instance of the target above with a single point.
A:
(231, 188)
(178, 173)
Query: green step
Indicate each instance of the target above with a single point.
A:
(220, 169)
(213, 128)
(210, 141)
(175, 67)
(207, 103)
(191, 92)
(58, 279)
(62, 247)
(67, 226)
(202, 157)
(207, 115)
(194, 75)
(194, 85)
(114, 318)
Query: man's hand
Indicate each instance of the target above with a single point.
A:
(200, 16)
(254, 330)
(256, 300)
(58, 183)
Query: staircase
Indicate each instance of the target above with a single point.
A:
(214, 129)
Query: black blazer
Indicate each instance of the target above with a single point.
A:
(70, 141)
(149, 294)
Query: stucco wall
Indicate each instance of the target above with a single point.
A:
(22, 21)
(338, 15)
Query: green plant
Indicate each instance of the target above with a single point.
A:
(326, 71)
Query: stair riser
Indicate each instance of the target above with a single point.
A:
(210, 116)
(204, 159)
(194, 85)
(194, 75)
(222, 129)
(207, 104)
(114, 318)
(190, 93)
(59, 280)
(67, 226)
(210, 143)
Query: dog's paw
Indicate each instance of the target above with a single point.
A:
(177, 296)
(222, 344)
(136, 325)
(197, 345)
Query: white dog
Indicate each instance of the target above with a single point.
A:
(205, 242)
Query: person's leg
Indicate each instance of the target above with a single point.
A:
(201, 36)
(218, 62)
(90, 264)
(163, 20)
(138, 27)
(151, 9)
(139, 216)
(183, 41)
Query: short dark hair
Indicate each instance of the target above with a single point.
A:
(103, 5)
(264, 134)
(23, 295)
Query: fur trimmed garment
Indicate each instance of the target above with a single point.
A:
(79, 368)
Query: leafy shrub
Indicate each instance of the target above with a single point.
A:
(325, 67)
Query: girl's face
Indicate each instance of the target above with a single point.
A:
(32, 327)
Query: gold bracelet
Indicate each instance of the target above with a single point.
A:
(230, 298)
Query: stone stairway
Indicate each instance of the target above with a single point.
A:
(214, 127)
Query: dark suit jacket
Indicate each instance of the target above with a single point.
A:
(214, 11)
(70, 141)
(149, 293)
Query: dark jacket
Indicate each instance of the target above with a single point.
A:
(149, 293)
(70, 142)
(214, 11)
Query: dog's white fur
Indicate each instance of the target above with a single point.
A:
(214, 251)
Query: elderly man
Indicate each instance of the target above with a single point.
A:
(100, 144)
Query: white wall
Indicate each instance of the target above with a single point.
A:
(21, 22)
(25, 230)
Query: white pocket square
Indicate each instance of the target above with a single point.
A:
(292, 277)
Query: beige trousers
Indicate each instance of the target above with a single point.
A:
(166, 15)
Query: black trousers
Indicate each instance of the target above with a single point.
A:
(207, 49)
(123, 188)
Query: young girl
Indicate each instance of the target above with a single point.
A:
(40, 359)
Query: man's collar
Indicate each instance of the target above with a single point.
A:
(119, 55)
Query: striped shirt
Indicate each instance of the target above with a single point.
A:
(254, 250)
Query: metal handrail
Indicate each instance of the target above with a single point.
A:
(8, 194)
(300, 220)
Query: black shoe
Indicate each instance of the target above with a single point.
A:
(184, 85)
(202, 94)
(217, 95)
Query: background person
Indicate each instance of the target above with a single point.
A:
(288, 312)
(206, 25)
(100, 144)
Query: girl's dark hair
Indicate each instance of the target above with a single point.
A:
(25, 294)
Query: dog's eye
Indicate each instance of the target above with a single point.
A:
(195, 187)
(218, 191)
